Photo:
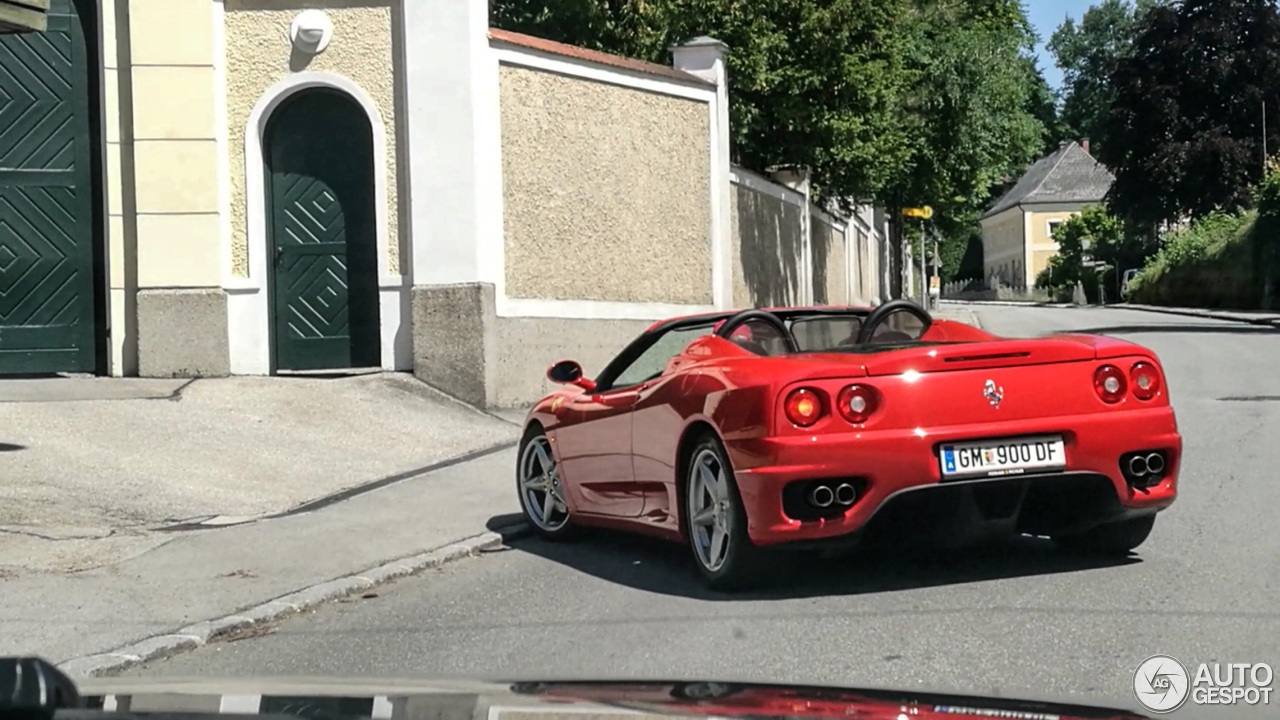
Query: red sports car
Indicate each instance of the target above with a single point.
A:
(823, 427)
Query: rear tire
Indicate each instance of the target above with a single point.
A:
(540, 489)
(1114, 538)
(716, 520)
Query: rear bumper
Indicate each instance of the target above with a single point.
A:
(887, 465)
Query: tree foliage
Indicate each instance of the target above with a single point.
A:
(811, 83)
(1093, 235)
(1184, 132)
(906, 102)
(1087, 53)
(1042, 104)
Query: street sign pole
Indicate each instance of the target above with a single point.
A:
(924, 269)
(924, 213)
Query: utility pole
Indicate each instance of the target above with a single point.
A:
(937, 271)
(924, 268)
(924, 213)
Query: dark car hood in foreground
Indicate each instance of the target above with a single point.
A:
(549, 700)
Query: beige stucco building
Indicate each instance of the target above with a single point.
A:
(212, 187)
(1017, 232)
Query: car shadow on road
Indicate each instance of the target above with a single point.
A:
(656, 566)
(1179, 328)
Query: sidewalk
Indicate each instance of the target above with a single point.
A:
(131, 508)
(207, 574)
(1253, 317)
(96, 469)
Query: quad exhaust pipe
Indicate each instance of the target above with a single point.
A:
(1144, 469)
(845, 494)
(1137, 466)
(1155, 463)
(1149, 464)
(823, 496)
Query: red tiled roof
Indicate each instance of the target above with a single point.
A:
(572, 51)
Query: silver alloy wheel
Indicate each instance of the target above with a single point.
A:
(540, 489)
(710, 512)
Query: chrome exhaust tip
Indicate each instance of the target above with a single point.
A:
(821, 496)
(1155, 463)
(1137, 465)
(845, 494)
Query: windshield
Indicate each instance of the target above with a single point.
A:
(347, 338)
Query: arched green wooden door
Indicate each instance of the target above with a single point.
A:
(48, 223)
(320, 199)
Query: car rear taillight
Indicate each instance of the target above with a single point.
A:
(857, 403)
(1110, 384)
(1145, 379)
(803, 407)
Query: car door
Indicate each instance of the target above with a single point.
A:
(595, 438)
(594, 443)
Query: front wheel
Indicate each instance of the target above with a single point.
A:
(1115, 538)
(717, 521)
(540, 488)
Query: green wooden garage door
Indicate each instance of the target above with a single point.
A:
(46, 203)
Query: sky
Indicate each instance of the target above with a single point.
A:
(1046, 16)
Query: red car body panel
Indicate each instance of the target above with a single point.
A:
(619, 452)
(817, 703)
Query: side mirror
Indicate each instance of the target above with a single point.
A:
(568, 372)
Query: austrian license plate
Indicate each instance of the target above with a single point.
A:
(1009, 456)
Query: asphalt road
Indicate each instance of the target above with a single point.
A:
(1204, 588)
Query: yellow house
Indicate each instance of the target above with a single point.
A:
(1017, 232)
(249, 187)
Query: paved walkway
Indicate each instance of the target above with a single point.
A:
(131, 507)
(205, 574)
(1256, 317)
(95, 469)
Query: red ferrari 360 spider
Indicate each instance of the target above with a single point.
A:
(823, 427)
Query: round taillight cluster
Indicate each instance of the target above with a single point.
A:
(803, 407)
(1110, 383)
(857, 403)
(1145, 379)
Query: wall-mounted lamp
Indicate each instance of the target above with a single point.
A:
(311, 31)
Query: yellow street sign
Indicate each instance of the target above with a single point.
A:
(923, 213)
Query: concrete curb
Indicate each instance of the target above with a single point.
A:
(1270, 321)
(201, 633)
(1008, 303)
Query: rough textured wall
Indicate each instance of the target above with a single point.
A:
(766, 249)
(606, 176)
(259, 55)
(836, 285)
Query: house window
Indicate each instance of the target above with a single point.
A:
(1053, 227)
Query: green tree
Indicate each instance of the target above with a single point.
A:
(901, 101)
(1042, 104)
(1093, 235)
(972, 119)
(1185, 127)
(1087, 53)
